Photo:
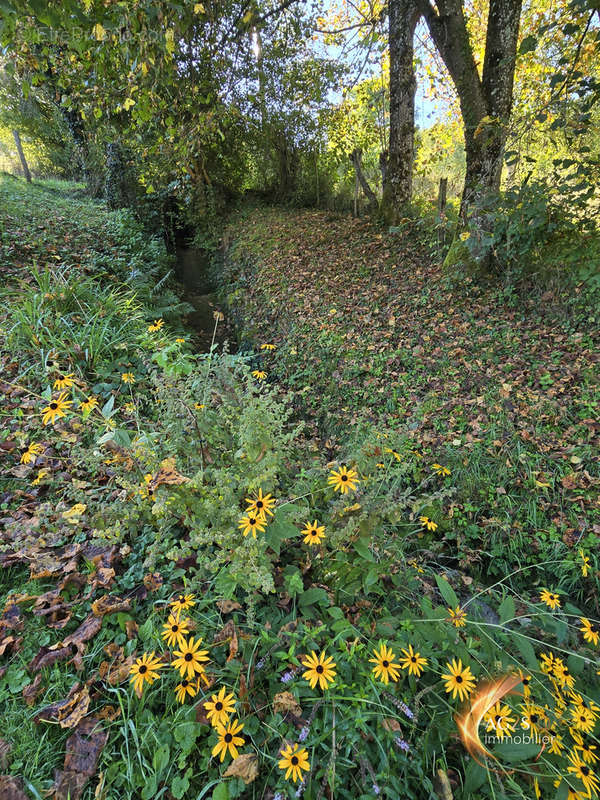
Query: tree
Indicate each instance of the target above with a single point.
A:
(398, 162)
(22, 158)
(486, 100)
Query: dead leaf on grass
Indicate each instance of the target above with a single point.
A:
(11, 788)
(227, 606)
(228, 633)
(83, 751)
(109, 604)
(244, 767)
(31, 692)
(69, 712)
(284, 702)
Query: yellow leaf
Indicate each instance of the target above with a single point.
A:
(199, 8)
(98, 32)
(170, 40)
(128, 103)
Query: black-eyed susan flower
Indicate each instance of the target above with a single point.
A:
(182, 602)
(128, 377)
(229, 741)
(394, 453)
(179, 340)
(259, 374)
(56, 408)
(551, 599)
(556, 745)
(584, 773)
(175, 630)
(458, 617)
(385, 666)
(459, 680)
(440, 470)
(578, 700)
(582, 718)
(267, 347)
(590, 630)
(252, 523)
(32, 452)
(186, 688)
(546, 662)
(533, 717)
(588, 750)
(585, 563)
(155, 326)
(89, 404)
(64, 381)
(145, 490)
(319, 669)
(498, 719)
(428, 524)
(526, 681)
(562, 674)
(343, 480)
(219, 707)
(190, 657)
(414, 662)
(313, 533)
(145, 670)
(293, 761)
(413, 563)
(260, 505)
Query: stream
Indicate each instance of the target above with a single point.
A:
(191, 269)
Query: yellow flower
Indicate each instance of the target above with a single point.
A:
(585, 774)
(182, 602)
(293, 761)
(179, 340)
(443, 471)
(413, 662)
(551, 599)
(219, 707)
(396, 455)
(587, 749)
(585, 566)
(184, 688)
(313, 533)
(128, 377)
(228, 740)
(413, 563)
(145, 669)
(260, 505)
(464, 236)
(64, 381)
(343, 480)
(533, 717)
(582, 719)
(267, 347)
(498, 719)
(189, 658)
(547, 662)
(590, 630)
(145, 490)
(129, 408)
(32, 452)
(56, 408)
(459, 680)
(156, 326)
(175, 630)
(259, 374)
(428, 523)
(199, 406)
(251, 524)
(74, 513)
(88, 405)
(385, 666)
(43, 473)
(526, 681)
(319, 669)
(458, 617)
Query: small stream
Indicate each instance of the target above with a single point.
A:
(191, 268)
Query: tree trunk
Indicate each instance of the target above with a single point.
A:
(356, 158)
(397, 189)
(24, 164)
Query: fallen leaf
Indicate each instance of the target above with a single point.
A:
(83, 750)
(284, 702)
(244, 767)
(109, 604)
(11, 788)
(227, 606)
(153, 581)
(31, 692)
(391, 724)
(228, 633)
(68, 712)
(5, 748)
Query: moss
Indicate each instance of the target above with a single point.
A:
(460, 260)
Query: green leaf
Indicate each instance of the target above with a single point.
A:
(371, 578)
(506, 609)
(447, 591)
(515, 751)
(160, 759)
(525, 647)
(181, 784)
(362, 548)
(220, 792)
(475, 775)
(312, 596)
(528, 44)
(278, 531)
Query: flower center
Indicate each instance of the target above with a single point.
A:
(459, 679)
(534, 718)
(143, 669)
(385, 663)
(344, 477)
(252, 521)
(228, 737)
(294, 760)
(219, 706)
(174, 628)
(585, 771)
(259, 503)
(319, 668)
(188, 657)
(185, 683)
(53, 406)
(525, 681)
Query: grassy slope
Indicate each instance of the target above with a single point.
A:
(502, 389)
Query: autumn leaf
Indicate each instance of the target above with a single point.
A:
(244, 767)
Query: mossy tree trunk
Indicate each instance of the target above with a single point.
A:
(24, 164)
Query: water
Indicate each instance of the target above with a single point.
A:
(192, 271)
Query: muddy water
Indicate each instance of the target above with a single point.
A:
(192, 271)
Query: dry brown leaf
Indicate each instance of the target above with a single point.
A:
(31, 692)
(68, 712)
(131, 627)
(83, 750)
(153, 581)
(284, 702)
(109, 604)
(228, 633)
(5, 748)
(117, 670)
(227, 606)
(10, 645)
(244, 767)
(11, 788)
(167, 476)
(391, 724)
